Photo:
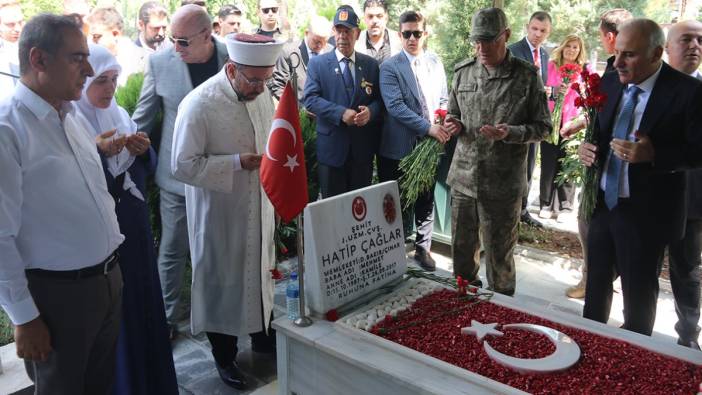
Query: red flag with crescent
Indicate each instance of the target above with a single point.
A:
(283, 172)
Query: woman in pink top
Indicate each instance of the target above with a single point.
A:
(553, 197)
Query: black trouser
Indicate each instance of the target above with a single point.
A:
(531, 162)
(83, 318)
(684, 259)
(620, 240)
(423, 208)
(351, 176)
(548, 187)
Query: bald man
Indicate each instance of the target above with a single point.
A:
(648, 133)
(170, 75)
(313, 43)
(684, 49)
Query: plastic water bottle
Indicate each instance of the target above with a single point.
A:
(293, 297)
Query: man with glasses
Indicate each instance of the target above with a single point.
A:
(220, 132)
(530, 49)
(497, 106)
(313, 44)
(268, 14)
(229, 18)
(170, 75)
(11, 23)
(413, 86)
(342, 91)
(377, 40)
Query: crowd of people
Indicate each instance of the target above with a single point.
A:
(94, 303)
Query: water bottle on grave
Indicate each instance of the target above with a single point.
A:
(292, 294)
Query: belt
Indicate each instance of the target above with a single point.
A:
(103, 268)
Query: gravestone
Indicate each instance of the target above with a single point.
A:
(354, 244)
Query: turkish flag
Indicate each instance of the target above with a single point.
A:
(283, 172)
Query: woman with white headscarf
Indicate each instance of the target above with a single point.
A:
(144, 356)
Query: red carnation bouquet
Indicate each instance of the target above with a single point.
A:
(591, 100)
(568, 73)
(419, 167)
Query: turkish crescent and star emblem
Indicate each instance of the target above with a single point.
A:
(283, 174)
(358, 208)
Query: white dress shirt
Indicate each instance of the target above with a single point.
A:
(352, 63)
(646, 88)
(430, 76)
(55, 210)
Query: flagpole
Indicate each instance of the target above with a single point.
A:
(303, 320)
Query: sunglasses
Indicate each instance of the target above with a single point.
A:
(409, 33)
(185, 42)
(269, 9)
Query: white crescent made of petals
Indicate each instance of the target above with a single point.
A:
(279, 123)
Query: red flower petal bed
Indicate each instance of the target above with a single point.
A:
(606, 365)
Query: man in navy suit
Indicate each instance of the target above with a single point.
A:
(342, 90)
(529, 49)
(648, 131)
(413, 86)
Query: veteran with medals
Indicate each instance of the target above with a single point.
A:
(220, 132)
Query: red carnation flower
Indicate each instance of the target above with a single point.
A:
(275, 274)
(331, 315)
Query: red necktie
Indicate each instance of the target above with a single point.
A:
(537, 59)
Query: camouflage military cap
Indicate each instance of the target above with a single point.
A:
(487, 24)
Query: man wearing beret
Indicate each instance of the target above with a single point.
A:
(342, 89)
(220, 131)
(497, 106)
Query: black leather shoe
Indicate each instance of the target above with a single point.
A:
(526, 218)
(425, 260)
(232, 376)
(689, 343)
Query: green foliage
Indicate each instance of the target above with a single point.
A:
(127, 96)
(33, 7)
(571, 169)
(309, 136)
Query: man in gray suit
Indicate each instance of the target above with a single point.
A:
(413, 86)
(684, 49)
(170, 75)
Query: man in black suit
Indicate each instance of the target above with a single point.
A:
(648, 130)
(684, 49)
(529, 48)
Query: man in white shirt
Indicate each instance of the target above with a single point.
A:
(413, 86)
(11, 23)
(106, 29)
(60, 282)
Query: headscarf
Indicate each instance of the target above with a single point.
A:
(112, 117)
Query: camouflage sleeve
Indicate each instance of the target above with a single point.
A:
(453, 106)
(538, 124)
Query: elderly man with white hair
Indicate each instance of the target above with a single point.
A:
(315, 42)
(220, 133)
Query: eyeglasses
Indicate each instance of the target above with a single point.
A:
(409, 33)
(486, 42)
(269, 9)
(254, 82)
(185, 42)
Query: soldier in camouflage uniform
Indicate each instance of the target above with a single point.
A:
(497, 106)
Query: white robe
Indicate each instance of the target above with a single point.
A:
(230, 219)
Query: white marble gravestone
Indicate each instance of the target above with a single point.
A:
(354, 244)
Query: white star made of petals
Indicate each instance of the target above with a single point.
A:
(481, 330)
(291, 163)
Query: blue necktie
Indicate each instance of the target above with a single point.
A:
(348, 78)
(621, 130)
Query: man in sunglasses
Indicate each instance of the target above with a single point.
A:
(170, 75)
(221, 130)
(497, 106)
(342, 91)
(413, 86)
(268, 14)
